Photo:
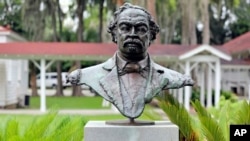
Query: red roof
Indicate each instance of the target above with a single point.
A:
(78, 50)
(59, 48)
(170, 49)
(239, 44)
(236, 62)
(4, 28)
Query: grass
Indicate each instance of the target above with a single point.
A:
(66, 102)
(74, 103)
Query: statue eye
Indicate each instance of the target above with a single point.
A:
(141, 29)
(124, 28)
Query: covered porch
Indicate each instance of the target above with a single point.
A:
(202, 62)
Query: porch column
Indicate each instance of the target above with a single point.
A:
(42, 95)
(180, 95)
(217, 82)
(175, 93)
(249, 93)
(202, 84)
(209, 86)
(187, 88)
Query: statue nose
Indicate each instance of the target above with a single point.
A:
(132, 32)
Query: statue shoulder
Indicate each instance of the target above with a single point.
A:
(86, 75)
(172, 78)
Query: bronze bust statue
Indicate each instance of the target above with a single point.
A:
(130, 79)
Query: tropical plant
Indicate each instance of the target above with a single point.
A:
(207, 124)
(48, 127)
(177, 113)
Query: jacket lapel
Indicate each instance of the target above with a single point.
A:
(154, 82)
(110, 83)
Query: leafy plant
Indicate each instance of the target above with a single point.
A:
(207, 124)
(210, 128)
(180, 116)
(47, 127)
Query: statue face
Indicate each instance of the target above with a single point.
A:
(133, 35)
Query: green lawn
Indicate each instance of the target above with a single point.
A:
(66, 102)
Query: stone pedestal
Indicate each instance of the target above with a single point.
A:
(161, 131)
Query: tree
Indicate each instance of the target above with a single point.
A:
(10, 15)
(55, 12)
(167, 17)
(188, 22)
(101, 2)
(81, 4)
(242, 23)
(34, 24)
(205, 21)
(214, 31)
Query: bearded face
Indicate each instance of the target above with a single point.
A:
(133, 36)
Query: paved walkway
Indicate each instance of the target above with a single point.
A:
(71, 111)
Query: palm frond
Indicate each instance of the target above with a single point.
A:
(179, 116)
(11, 132)
(210, 127)
(201, 111)
(242, 115)
(39, 127)
(225, 120)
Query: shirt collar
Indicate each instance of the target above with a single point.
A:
(121, 63)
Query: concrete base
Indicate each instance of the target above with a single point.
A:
(161, 131)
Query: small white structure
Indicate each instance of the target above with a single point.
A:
(203, 63)
(236, 73)
(13, 74)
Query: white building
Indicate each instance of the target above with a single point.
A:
(13, 74)
(236, 73)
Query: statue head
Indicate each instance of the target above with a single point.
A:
(133, 29)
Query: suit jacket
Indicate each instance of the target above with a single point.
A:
(103, 78)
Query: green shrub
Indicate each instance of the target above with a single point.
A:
(48, 127)
(227, 95)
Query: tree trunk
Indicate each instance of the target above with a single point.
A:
(119, 3)
(192, 22)
(33, 84)
(142, 3)
(151, 8)
(205, 21)
(34, 22)
(188, 22)
(100, 19)
(184, 22)
(77, 91)
(59, 87)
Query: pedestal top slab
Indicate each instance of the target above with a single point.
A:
(161, 131)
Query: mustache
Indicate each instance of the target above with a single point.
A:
(133, 41)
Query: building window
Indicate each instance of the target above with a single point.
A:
(234, 90)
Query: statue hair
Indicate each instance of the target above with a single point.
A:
(153, 27)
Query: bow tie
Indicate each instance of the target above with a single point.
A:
(133, 68)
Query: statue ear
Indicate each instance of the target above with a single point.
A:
(114, 38)
(114, 34)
